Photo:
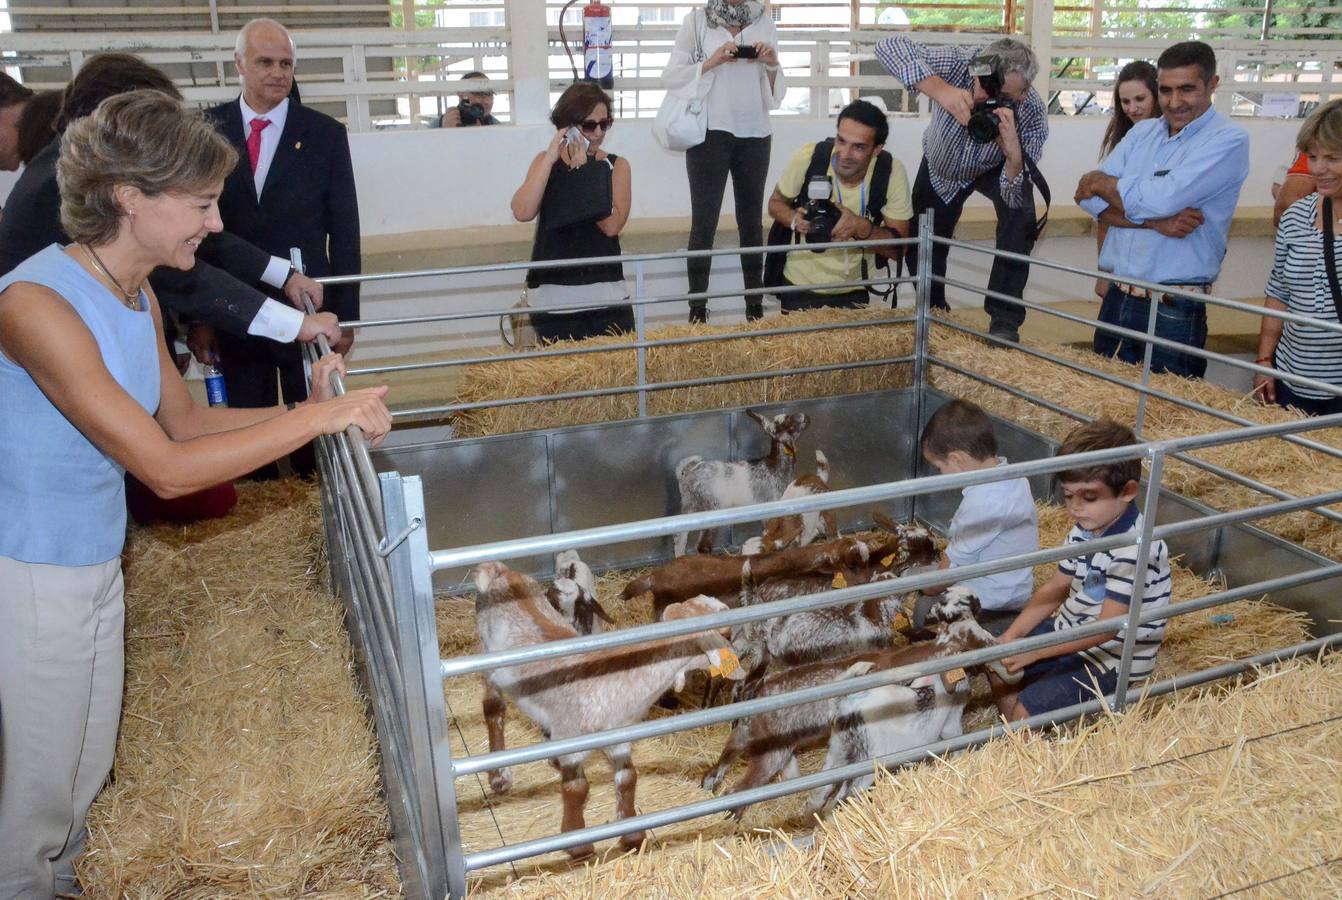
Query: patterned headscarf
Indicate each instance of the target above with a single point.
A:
(721, 14)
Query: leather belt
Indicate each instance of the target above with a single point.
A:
(1160, 296)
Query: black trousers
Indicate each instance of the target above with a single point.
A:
(577, 326)
(1015, 233)
(708, 165)
(795, 300)
(250, 368)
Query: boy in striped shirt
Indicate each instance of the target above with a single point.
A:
(1088, 588)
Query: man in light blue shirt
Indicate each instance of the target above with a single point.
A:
(1168, 193)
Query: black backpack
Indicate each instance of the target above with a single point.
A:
(782, 235)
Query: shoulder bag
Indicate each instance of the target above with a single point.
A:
(682, 124)
(1330, 257)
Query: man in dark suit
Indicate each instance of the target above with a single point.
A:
(293, 187)
(221, 296)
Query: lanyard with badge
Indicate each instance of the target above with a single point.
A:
(861, 198)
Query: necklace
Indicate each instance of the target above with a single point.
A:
(130, 298)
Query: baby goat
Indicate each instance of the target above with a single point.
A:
(577, 695)
(573, 594)
(803, 528)
(771, 739)
(708, 484)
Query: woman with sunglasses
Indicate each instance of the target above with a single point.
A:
(726, 56)
(582, 119)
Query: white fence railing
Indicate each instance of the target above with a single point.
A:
(392, 78)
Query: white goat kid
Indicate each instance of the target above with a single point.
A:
(708, 484)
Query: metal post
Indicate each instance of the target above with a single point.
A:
(640, 331)
(922, 306)
(1140, 424)
(1149, 504)
(434, 790)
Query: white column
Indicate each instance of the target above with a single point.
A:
(1039, 35)
(529, 61)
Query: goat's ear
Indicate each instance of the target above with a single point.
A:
(552, 594)
(759, 419)
(884, 521)
(598, 608)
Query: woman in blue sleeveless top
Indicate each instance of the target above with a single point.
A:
(87, 393)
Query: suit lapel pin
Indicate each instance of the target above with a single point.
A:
(298, 146)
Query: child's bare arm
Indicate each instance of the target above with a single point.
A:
(1110, 610)
(1042, 604)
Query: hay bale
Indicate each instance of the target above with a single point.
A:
(245, 764)
(671, 766)
(535, 377)
(1203, 793)
(1274, 462)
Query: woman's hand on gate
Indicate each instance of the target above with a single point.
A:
(1265, 386)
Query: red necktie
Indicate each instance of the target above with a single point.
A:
(254, 140)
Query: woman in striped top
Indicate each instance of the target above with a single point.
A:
(1299, 279)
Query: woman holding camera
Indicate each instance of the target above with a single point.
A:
(559, 191)
(726, 56)
(87, 393)
(1135, 93)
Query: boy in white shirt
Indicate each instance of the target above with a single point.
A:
(993, 521)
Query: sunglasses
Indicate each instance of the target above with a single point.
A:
(589, 126)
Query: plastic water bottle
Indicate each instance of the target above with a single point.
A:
(215, 391)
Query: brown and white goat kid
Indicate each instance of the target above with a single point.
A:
(577, 695)
(771, 740)
(708, 484)
(720, 576)
(888, 719)
(802, 528)
(573, 594)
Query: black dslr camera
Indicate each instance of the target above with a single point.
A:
(820, 212)
(471, 113)
(983, 122)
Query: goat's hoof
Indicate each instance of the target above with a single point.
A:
(501, 782)
(711, 781)
(580, 852)
(633, 840)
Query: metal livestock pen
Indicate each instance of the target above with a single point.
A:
(406, 520)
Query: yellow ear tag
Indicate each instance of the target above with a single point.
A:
(727, 663)
(886, 561)
(839, 581)
(790, 451)
(953, 677)
(901, 622)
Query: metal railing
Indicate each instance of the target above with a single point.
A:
(422, 754)
(389, 77)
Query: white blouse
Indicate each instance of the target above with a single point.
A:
(737, 93)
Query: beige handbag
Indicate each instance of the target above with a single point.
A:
(515, 328)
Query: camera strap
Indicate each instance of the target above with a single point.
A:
(1039, 182)
(1330, 257)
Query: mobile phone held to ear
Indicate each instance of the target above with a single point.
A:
(574, 136)
(746, 51)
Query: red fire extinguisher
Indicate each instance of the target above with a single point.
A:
(598, 64)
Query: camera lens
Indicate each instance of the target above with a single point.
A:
(983, 124)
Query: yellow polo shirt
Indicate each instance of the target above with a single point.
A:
(805, 268)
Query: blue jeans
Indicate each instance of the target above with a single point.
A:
(1177, 319)
(1310, 406)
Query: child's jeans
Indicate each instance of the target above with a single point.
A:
(1062, 681)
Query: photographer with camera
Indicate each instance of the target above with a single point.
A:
(473, 107)
(847, 188)
(987, 134)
